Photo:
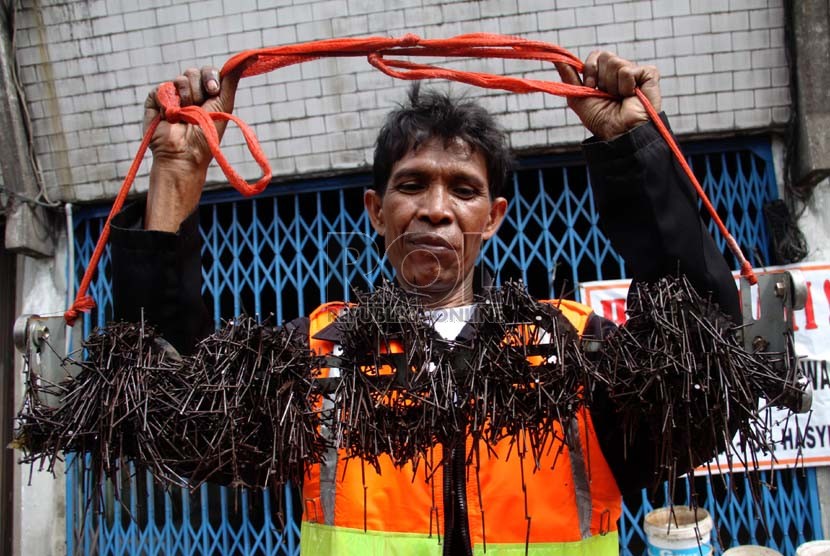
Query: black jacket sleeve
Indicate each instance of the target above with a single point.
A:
(648, 210)
(159, 274)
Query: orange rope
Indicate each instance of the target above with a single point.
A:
(477, 45)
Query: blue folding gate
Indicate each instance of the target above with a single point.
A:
(300, 244)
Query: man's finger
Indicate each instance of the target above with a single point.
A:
(151, 109)
(194, 78)
(227, 89)
(589, 72)
(183, 88)
(627, 80)
(568, 74)
(649, 82)
(210, 80)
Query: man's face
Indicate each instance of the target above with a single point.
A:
(434, 216)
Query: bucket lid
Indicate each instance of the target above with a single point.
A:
(751, 550)
(813, 548)
(684, 523)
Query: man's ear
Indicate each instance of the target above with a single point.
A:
(498, 208)
(373, 203)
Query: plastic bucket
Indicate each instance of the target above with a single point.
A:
(686, 533)
(751, 550)
(813, 548)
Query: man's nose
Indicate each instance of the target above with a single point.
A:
(435, 205)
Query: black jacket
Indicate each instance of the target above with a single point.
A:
(647, 209)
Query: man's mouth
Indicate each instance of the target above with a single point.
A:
(429, 242)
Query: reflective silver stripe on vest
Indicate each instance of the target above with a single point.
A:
(328, 467)
(584, 504)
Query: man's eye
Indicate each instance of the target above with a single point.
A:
(409, 186)
(466, 192)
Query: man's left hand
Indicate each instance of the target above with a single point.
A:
(609, 118)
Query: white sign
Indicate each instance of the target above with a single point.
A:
(799, 439)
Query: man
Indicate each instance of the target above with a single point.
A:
(439, 165)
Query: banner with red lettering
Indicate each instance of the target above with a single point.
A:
(799, 439)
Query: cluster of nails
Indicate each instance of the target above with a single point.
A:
(684, 386)
(246, 408)
(239, 411)
(515, 373)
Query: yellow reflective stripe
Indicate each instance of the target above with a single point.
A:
(598, 545)
(317, 539)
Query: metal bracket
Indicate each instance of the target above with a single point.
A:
(779, 295)
(42, 341)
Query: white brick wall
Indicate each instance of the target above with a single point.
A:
(87, 67)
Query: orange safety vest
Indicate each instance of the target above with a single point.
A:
(573, 506)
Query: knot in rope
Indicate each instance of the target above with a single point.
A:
(477, 45)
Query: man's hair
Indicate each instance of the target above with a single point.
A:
(434, 114)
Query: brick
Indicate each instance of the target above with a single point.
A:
(732, 61)
(322, 105)
(653, 29)
(713, 42)
(108, 25)
(691, 25)
(419, 16)
(140, 20)
(346, 159)
(573, 3)
(675, 86)
(637, 50)
(712, 82)
(736, 100)
(89, 102)
(734, 21)
(314, 30)
(294, 14)
(329, 9)
(343, 122)
(631, 11)
(208, 9)
(735, 5)
(289, 109)
(460, 11)
(750, 40)
(615, 32)
(776, 37)
(338, 84)
(266, 94)
(597, 15)
(670, 105)
(671, 8)
(696, 104)
(754, 117)
(780, 77)
(781, 114)
(752, 79)
(716, 121)
(279, 35)
(526, 139)
(708, 6)
(259, 20)
(211, 46)
(498, 8)
(312, 162)
(779, 96)
(245, 41)
(307, 126)
(173, 14)
(556, 19)
(239, 7)
(183, 52)
(679, 46)
(145, 56)
(545, 119)
(769, 58)
(570, 38)
(518, 24)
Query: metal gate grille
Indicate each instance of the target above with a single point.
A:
(301, 244)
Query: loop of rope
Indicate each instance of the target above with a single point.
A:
(376, 50)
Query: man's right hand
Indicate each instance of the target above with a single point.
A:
(180, 152)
